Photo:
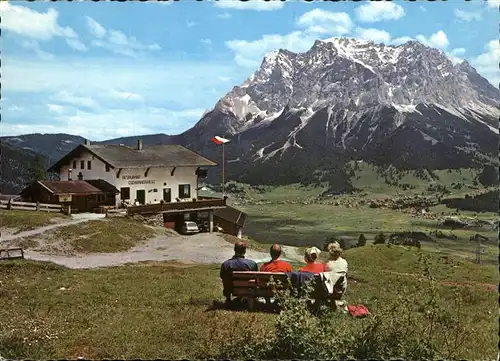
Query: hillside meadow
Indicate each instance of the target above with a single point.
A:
(165, 310)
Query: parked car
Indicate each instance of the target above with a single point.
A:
(189, 227)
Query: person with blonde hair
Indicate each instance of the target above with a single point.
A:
(336, 268)
(313, 265)
(335, 262)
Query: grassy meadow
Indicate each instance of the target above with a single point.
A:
(433, 302)
(165, 310)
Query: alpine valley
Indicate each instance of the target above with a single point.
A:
(302, 116)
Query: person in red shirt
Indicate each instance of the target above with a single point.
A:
(276, 265)
(311, 255)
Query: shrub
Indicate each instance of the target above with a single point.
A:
(379, 238)
(361, 240)
(416, 324)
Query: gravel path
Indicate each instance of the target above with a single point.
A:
(204, 248)
(199, 248)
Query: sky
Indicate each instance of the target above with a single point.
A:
(111, 69)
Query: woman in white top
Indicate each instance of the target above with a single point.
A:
(335, 275)
(335, 262)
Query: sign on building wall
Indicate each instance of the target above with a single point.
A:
(65, 198)
(136, 179)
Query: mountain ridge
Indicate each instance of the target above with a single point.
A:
(304, 114)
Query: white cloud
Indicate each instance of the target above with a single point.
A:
(250, 53)
(116, 41)
(110, 123)
(16, 108)
(79, 101)
(379, 11)
(56, 108)
(456, 55)
(110, 94)
(33, 24)
(37, 26)
(316, 24)
(34, 46)
(467, 15)
(375, 35)
(401, 40)
(258, 5)
(224, 16)
(493, 3)
(437, 40)
(190, 24)
(95, 28)
(126, 96)
(487, 63)
(206, 41)
(326, 22)
(76, 44)
(423, 8)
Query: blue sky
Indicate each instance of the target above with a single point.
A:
(111, 69)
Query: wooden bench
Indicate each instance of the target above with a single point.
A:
(251, 285)
(11, 253)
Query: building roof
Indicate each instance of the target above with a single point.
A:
(103, 185)
(78, 187)
(121, 156)
(232, 215)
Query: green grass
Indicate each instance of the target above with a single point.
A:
(367, 179)
(27, 220)
(305, 225)
(106, 236)
(162, 310)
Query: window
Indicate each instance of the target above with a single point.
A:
(74, 164)
(125, 193)
(89, 164)
(82, 164)
(184, 191)
(108, 168)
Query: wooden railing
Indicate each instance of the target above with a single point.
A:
(29, 206)
(194, 206)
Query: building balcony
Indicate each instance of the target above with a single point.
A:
(178, 207)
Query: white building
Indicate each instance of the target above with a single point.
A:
(144, 174)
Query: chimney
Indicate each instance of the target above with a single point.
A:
(87, 142)
(139, 144)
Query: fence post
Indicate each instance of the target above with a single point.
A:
(69, 210)
(9, 204)
(37, 206)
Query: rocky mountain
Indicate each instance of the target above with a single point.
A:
(301, 116)
(306, 113)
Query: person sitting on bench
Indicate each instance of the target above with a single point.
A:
(237, 263)
(275, 264)
(313, 265)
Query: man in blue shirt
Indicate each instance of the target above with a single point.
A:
(237, 263)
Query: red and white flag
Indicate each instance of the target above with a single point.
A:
(219, 140)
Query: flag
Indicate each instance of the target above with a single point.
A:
(219, 140)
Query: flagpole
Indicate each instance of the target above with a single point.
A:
(223, 170)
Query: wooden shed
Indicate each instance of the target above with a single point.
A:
(82, 196)
(231, 220)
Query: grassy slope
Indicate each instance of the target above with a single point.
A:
(28, 220)
(98, 236)
(110, 235)
(160, 310)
